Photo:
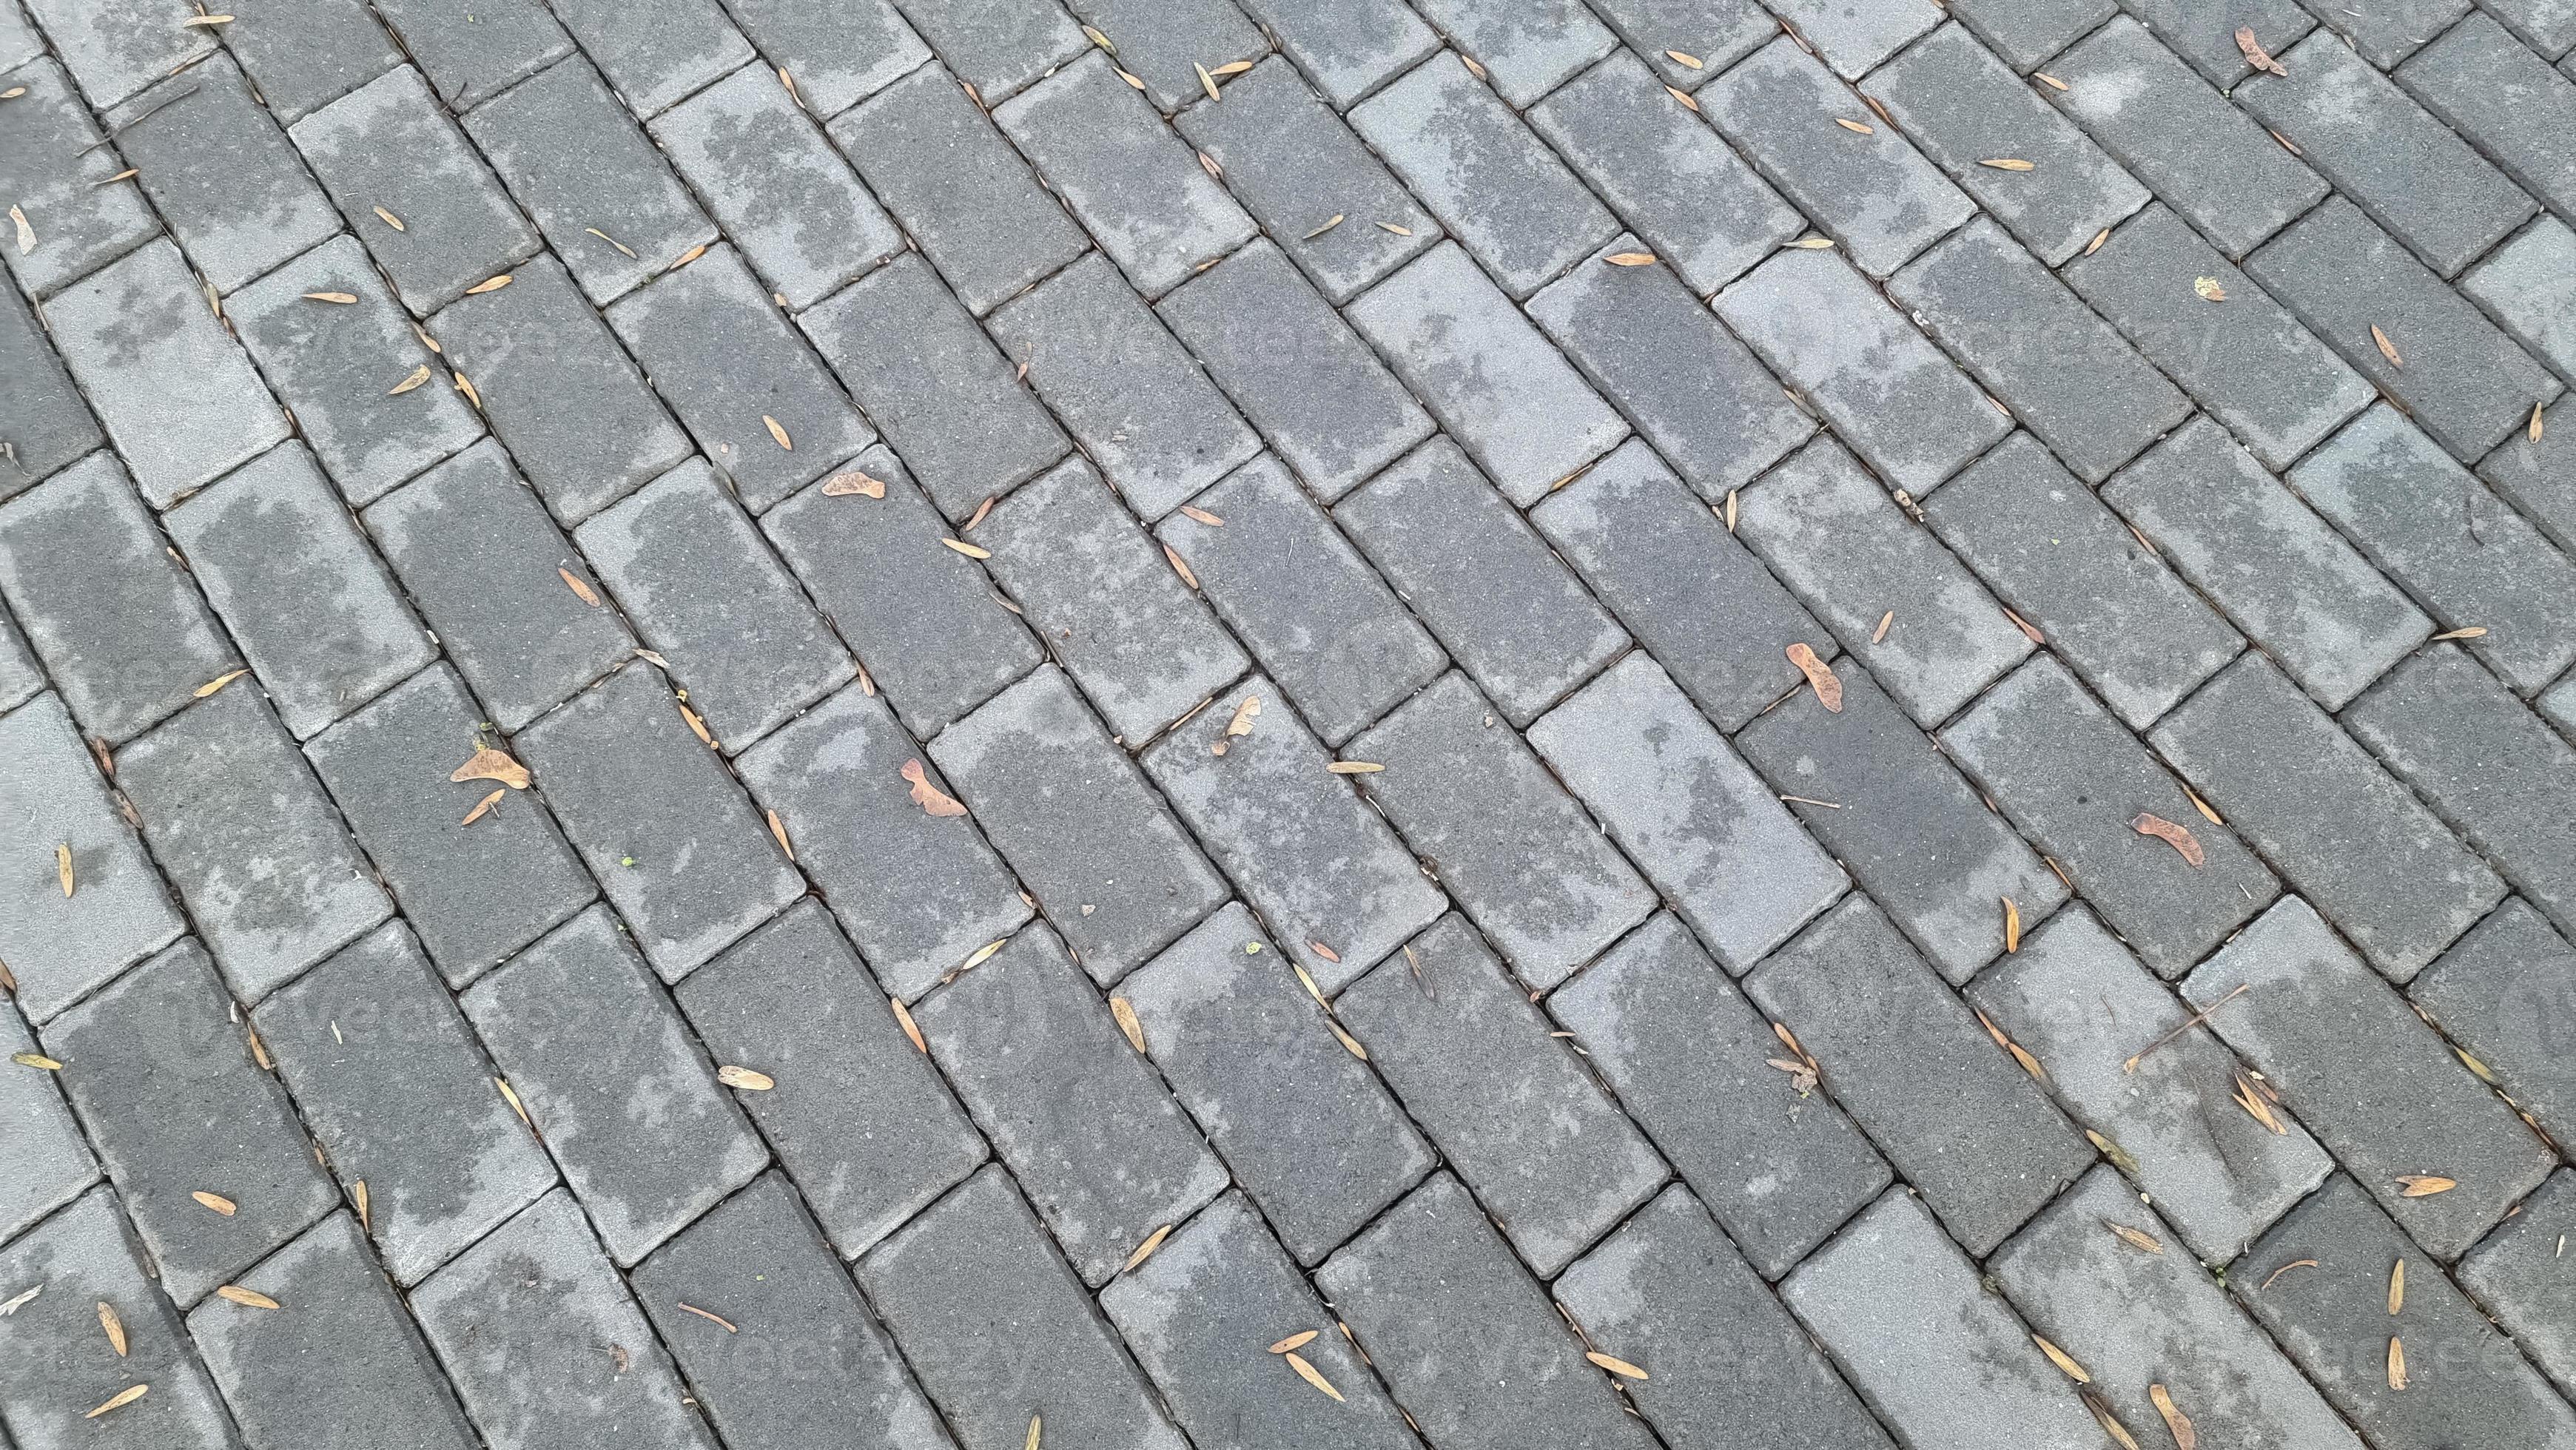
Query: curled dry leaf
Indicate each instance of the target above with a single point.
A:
(343, 298)
(218, 682)
(967, 549)
(1239, 725)
(216, 1201)
(934, 802)
(489, 284)
(2180, 838)
(911, 1029)
(482, 807)
(745, 1078)
(1681, 58)
(411, 380)
(487, 763)
(114, 1325)
(2256, 1105)
(2136, 1238)
(1855, 127)
(119, 1400)
(1298, 1340)
(1630, 259)
(2008, 163)
(1128, 1022)
(1309, 1373)
(2387, 349)
(1820, 676)
(63, 867)
(247, 1298)
(2397, 1286)
(2178, 1423)
(778, 432)
(2209, 288)
(2064, 1361)
(2012, 927)
(2255, 55)
(1354, 767)
(1620, 1367)
(2423, 1185)
(853, 483)
(35, 1060)
(2396, 1363)
(1146, 1249)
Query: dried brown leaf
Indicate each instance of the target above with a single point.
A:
(2136, 1238)
(1349, 1043)
(911, 1029)
(2533, 431)
(2050, 81)
(778, 432)
(1886, 622)
(2396, 1363)
(853, 483)
(967, 549)
(1146, 1249)
(63, 866)
(1326, 227)
(35, 1060)
(744, 1078)
(1855, 126)
(1620, 1367)
(487, 763)
(215, 1201)
(343, 298)
(2009, 163)
(2012, 927)
(1354, 767)
(1820, 676)
(612, 241)
(1207, 82)
(2180, 838)
(2285, 1268)
(1298, 1340)
(579, 590)
(119, 1400)
(2397, 1286)
(2176, 1422)
(489, 284)
(389, 219)
(365, 1205)
(1128, 1022)
(2064, 1361)
(1194, 512)
(2255, 55)
(110, 1321)
(1682, 96)
(411, 380)
(2474, 631)
(2387, 349)
(778, 828)
(1309, 1373)
(2209, 288)
(2256, 1106)
(247, 1298)
(932, 800)
(1180, 566)
(1685, 59)
(1630, 259)
(710, 1316)
(482, 807)
(2423, 1185)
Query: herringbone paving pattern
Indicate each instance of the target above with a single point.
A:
(917, 723)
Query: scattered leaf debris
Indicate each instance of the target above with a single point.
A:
(216, 1202)
(935, 802)
(2180, 838)
(911, 1029)
(1630, 259)
(1146, 1249)
(579, 590)
(119, 1400)
(853, 483)
(2387, 349)
(1820, 676)
(747, 1079)
(487, 763)
(2255, 55)
(2176, 1422)
(1128, 1022)
(247, 1298)
(1309, 1373)
(1620, 1367)
(709, 1315)
(2423, 1185)
(2285, 1268)
(1298, 1340)
(114, 1326)
(2209, 288)
(2136, 1238)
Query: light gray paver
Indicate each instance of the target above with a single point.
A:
(1714, 33)
(117, 47)
(1349, 47)
(996, 48)
(2386, 35)
(2203, 31)
(219, 170)
(474, 54)
(2502, 993)
(1526, 51)
(839, 54)
(54, 1162)
(1164, 42)
(49, 425)
(55, 170)
(60, 946)
(307, 53)
(2521, 285)
(2516, 1277)
(656, 54)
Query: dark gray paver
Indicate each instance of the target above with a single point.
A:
(1854, 37)
(798, 1363)
(117, 47)
(1324, 625)
(918, 893)
(614, 1084)
(2390, 489)
(1508, 610)
(54, 179)
(1496, 829)
(2245, 359)
(1886, 389)
(1868, 187)
(305, 54)
(958, 187)
(2039, 349)
(1713, 33)
(2502, 993)
(1662, 169)
(593, 182)
(2077, 1000)
(838, 54)
(1348, 47)
(473, 53)
(57, 946)
(343, 1366)
(1687, 385)
(858, 1118)
(1218, 1287)
(2376, 1086)
(1484, 173)
(337, 366)
(1513, 1111)
(2547, 26)
(49, 425)
(1144, 198)
(2203, 31)
(218, 170)
(701, 586)
(114, 618)
(1109, 606)
(1088, 1129)
(2135, 1319)
(559, 391)
(2519, 284)
(656, 54)
(1850, 554)
(2494, 91)
(1001, 1333)
(939, 389)
(1666, 1292)
(1321, 867)
(776, 185)
(546, 1346)
(1964, 108)
(2383, 151)
(2262, 555)
(476, 552)
(1502, 390)
(164, 1080)
(1133, 398)
(739, 376)
(1304, 379)
(1164, 42)
(1432, 1261)
(1727, 855)
(2344, 832)
(1296, 166)
(2107, 603)
(2519, 1278)
(1078, 823)
(457, 226)
(399, 1096)
(667, 831)
(2464, 381)
(475, 892)
(54, 1367)
(1702, 603)
(1966, 1125)
(178, 398)
(257, 851)
(997, 48)
(2465, 1383)
(54, 1162)
(923, 618)
(2387, 34)
(1905, 1315)
(2200, 155)
(1527, 51)
(1309, 1132)
(1903, 821)
(1691, 1060)
(2485, 764)
(2074, 782)
(315, 612)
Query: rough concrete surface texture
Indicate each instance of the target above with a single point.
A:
(1255, 723)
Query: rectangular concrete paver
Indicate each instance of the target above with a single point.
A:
(54, 1161)
(996, 48)
(308, 53)
(2515, 1276)
(2027, 32)
(472, 55)
(1163, 42)
(221, 173)
(1350, 47)
(2517, 284)
(653, 55)
(60, 946)
(2491, 89)
(1525, 54)
(2499, 993)
(49, 424)
(55, 170)
(837, 54)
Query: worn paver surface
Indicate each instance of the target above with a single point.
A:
(1190, 724)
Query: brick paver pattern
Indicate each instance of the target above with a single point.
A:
(1263, 723)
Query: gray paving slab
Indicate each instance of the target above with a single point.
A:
(117, 47)
(163, 1079)
(1164, 42)
(2083, 1005)
(2387, 35)
(471, 53)
(1347, 47)
(221, 174)
(1853, 38)
(2202, 31)
(838, 54)
(54, 179)
(2547, 26)
(49, 424)
(54, 1161)
(2521, 286)
(998, 48)
(493, 578)
(2025, 33)
(858, 1118)
(2108, 604)
(305, 54)
(672, 839)
(20, 677)
(310, 604)
(1307, 1129)
(1078, 823)
(614, 1084)
(260, 857)
(1713, 33)
(2074, 782)
(1527, 52)
(2516, 1276)
(834, 778)
(2500, 993)
(60, 946)
(19, 42)
(2464, 78)
(1779, 1167)
(796, 1360)
(655, 55)
(1088, 1129)
(399, 1096)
